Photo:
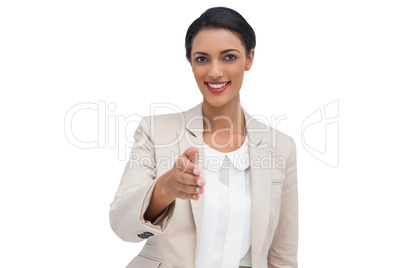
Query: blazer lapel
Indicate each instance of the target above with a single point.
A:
(258, 134)
(191, 134)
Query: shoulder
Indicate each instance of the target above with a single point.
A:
(283, 144)
(161, 129)
(281, 148)
(278, 142)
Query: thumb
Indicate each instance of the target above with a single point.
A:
(192, 154)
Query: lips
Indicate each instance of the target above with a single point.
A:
(217, 87)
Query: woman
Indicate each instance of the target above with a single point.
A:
(229, 198)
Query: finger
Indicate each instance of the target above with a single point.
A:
(194, 158)
(186, 166)
(192, 154)
(190, 189)
(190, 179)
(186, 196)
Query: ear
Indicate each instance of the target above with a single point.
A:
(249, 60)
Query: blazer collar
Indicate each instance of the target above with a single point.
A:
(258, 136)
(194, 124)
(238, 158)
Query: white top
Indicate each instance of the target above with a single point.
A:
(225, 236)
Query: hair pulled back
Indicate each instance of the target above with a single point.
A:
(221, 18)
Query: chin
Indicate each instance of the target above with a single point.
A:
(217, 102)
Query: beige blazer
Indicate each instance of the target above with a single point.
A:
(171, 240)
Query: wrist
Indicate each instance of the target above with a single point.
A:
(162, 189)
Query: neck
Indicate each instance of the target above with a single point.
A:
(228, 119)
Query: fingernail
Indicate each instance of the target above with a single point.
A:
(193, 196)
(199, 182)
(197, 190)
(195, 171)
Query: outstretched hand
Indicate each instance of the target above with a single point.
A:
(184, 180)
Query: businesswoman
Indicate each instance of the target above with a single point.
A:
(228, 197)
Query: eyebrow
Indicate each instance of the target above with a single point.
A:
(222, 52)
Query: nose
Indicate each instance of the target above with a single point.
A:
(215, 70)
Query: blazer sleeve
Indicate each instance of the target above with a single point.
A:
(135, 191)
(283, 250)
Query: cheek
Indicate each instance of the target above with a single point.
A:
(198, 72)
(237, 71)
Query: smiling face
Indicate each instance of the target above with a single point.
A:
(218, 61)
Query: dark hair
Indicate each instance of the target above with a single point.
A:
(224, 18)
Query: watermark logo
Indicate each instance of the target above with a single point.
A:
(112, 128)
(320, 134)
(319, 131)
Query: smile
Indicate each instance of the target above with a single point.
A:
(217, 87)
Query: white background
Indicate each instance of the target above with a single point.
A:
(54, 55)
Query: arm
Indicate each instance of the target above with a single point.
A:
(135, 192)
(159, 200)
(283, 251)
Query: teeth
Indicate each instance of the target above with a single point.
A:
(217, 85)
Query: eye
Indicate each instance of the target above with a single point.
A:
(200, 59)
(230, 57)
